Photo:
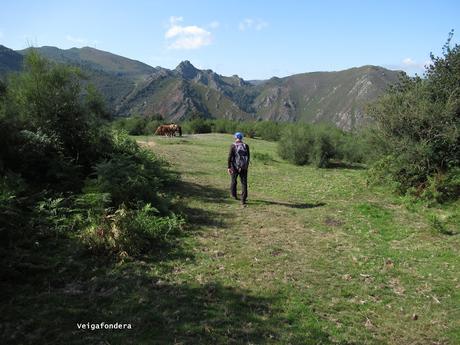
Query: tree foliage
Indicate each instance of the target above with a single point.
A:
(48, 133)
(320, 145)
(63, 170)
(417, 126)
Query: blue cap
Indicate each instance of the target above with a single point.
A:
(239, 135)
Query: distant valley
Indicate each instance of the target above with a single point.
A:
(131, 87)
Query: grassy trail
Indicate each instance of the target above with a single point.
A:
(316, 257)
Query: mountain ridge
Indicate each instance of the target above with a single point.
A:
(132, 87)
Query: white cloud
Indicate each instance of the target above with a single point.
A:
(250, 23)
(80, 41)
(409, 62)
(186, 37)
(174, 20)
(410, 66)
(214, 24)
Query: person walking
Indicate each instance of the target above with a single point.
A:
(238, 164)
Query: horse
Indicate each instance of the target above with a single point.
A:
(168, 130)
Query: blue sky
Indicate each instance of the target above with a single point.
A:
(254, 39)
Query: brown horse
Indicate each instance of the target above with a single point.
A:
(168, 130)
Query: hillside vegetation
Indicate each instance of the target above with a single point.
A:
(133, 88)
(417, 130)
(73, 195)
(100, 228)
(316, 258)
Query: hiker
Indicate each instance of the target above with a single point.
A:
(238, 164)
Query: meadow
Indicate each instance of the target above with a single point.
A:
(348, 238)
(317, 257)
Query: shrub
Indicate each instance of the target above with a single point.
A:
(295, 144)
(148, 228)
(12, 220)
(224, 126)
(132, 232)
(324, 146)
(52, 215)
(418, 122)
(133, 179)
(358, 147)
(268, 130)
(63, 170)
(89, 206)
(50, 132)
(442, 187)
(247, 128)
(197, 126)
(138, 125)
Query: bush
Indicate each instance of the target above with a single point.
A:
(443, 187)
(417, 125)
(358, 147)
(132, 175)
(317, 144)
(325, 142)
(148, 229)
(268, 130)
(12, 220)
(247, 128)
(197, 126)
(50, 133)
(63, 170)
(224, 126)
(132, 232)
(53, 215)
(138, 125)
(295, 144)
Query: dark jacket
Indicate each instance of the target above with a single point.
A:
(231, 156)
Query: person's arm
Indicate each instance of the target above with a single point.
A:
(249, 154)
(230, 160)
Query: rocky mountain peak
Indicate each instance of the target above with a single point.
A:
(186, 70)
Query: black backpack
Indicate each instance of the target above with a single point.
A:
(241, 156)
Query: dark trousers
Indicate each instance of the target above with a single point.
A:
(243, 174)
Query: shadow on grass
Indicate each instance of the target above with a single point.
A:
(198, 173)
(292, 205)
(158, 312)
(198, 216)
(62, 285)
(345, 165)
(201, 217)
(200, 192)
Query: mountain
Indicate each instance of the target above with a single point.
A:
(338, 97)
(95, 59)
(10, 61)
(132, 87)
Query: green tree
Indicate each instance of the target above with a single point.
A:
(417, 126)
(50, 130)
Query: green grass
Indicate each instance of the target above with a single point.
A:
(341, 262)
(317, 257)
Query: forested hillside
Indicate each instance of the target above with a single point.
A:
(133, 88)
